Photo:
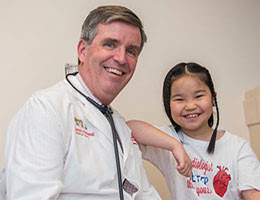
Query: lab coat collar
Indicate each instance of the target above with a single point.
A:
(94, 116)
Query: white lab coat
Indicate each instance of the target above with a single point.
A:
(59, 146)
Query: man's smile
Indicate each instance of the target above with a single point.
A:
(114, 71)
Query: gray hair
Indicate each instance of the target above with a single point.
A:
(107, 15)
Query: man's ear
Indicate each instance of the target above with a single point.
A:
(82, 46)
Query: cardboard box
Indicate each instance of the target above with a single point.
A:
(252, 117)
(255, 138)
(252, 106)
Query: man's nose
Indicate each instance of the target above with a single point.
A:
(120, 56)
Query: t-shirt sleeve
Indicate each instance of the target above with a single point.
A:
(248, 169)
(157, 156)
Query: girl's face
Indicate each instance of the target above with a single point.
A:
(191, 106)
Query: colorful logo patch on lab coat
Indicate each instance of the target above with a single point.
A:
(81, 128)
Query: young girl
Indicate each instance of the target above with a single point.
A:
(224, 165)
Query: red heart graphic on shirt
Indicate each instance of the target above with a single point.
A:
(221, 181)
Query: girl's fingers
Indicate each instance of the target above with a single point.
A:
(184, 168)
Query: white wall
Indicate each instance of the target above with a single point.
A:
(39, 37)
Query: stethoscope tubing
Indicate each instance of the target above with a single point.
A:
(104, 109)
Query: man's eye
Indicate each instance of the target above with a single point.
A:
(110, 45)
(132, 52)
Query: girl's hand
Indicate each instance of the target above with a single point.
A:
(184, 165)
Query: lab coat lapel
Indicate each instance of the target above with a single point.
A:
(91, 113)
(123, 132)
(95, 117)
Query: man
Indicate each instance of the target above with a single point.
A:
(59, 145)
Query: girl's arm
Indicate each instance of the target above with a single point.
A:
(251, 194)
(147, 134)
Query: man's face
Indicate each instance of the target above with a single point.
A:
(108, 63)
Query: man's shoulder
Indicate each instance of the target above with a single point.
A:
(59, 89)
(54, 96)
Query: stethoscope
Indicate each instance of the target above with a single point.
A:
(108, 114)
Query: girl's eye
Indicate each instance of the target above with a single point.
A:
(179, 99)
(199, 96)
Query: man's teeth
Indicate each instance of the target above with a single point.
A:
(115, 71)
(192, 115)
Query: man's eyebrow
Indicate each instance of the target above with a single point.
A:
(137, 48)
(111, 40)
(131, 46)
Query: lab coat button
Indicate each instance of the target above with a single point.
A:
(125, 170)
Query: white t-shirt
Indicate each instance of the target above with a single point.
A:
(223, 175)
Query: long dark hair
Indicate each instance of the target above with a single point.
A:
(203, 74)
